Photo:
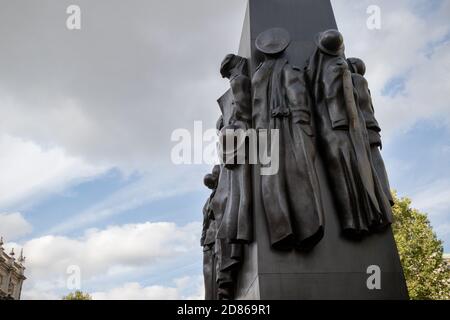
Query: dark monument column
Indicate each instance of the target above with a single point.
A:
(336, 268)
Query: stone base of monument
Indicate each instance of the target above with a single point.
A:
(336, 268)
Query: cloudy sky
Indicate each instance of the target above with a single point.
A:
(86, 119)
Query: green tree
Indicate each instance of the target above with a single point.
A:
(77, 295)
(427, 274)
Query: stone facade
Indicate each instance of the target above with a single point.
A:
(11, 274)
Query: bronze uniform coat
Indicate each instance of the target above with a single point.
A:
(357, 191)
(364, 102)
(235, 200)
(291, 197)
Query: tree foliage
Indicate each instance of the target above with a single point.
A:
(421, 253)
(77, 295)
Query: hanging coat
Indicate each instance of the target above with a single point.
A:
(233, 203)
(291, 197)
(364, 103)
(343, 140)
(208, 242)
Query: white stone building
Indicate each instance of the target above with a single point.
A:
(11, 274)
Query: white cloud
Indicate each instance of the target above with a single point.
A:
(37, 294)
(108, 97)
(425, 95)
(28, 170)
(99, 250)
(433, 198)
(443, 230)
(161, 184)
(134, 291)
(13, 225)
(115, 94)
(105, 253)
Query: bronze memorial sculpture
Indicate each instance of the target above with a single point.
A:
(361, 201)
(313, 228)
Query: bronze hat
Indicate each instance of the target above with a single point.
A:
(273, 41)
(331, 42)
(224, 65)
(358, 65)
